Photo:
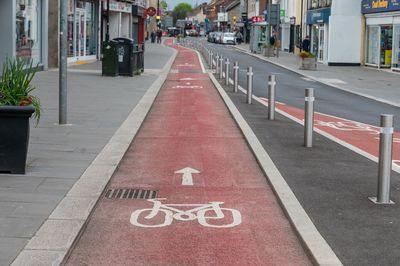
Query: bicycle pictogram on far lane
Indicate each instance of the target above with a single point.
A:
(207, 215)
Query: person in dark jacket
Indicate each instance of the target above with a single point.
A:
(306, 44)
(272, 39)
(153, 36)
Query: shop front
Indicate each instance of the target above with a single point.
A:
(138, 23)
(23, 25)
(318, 22)
(83, 21)
(382, 36)
(120, 19)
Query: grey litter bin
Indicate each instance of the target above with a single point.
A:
(125, 56)
(141, 57)
(136, 69)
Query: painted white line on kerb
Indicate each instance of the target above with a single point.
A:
(319, 250)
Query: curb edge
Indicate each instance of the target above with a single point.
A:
(106, 161)
(315, 245)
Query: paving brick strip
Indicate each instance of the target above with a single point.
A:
(189, 190)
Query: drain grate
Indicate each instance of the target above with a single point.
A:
(130, 193)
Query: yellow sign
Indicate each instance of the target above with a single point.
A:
(388, 57)
(158, 17)
(380, 4)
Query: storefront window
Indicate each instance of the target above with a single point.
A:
(396, 46)
(319, 3)
(373, 45)
(386, 45)
(82, 28)
(28, 30)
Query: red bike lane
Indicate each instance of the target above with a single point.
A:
(213, 204)
(354, 134)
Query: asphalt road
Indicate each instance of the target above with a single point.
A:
(290, 90)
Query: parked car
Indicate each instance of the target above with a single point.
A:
(228, 38)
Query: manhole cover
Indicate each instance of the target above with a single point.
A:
(130, 193)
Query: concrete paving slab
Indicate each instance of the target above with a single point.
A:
(55, 235)
(74, 208)
(19, 227)
(8, 246)
(39, 258)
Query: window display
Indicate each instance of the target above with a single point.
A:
(28, 30)
(396, 46)
(82, 28)
(373, 45)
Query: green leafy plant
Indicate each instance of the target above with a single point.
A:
(303, 55)
(267, 45)
(16, 87)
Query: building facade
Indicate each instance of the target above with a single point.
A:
(23, 25)
(382, 33)
(334, 27)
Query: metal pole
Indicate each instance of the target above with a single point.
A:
(271, 97)
(226, 71)
(309, 117)
(108, 21)
(249, 84)
(62, 114)
(235, 76)
(221, 68)
(211, 60)
(217, 64)
(385, 160)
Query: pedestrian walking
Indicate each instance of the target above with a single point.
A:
(239, 37)
(306, 44)
(153, 36)
(159, 35)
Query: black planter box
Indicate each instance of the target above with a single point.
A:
(14, 138)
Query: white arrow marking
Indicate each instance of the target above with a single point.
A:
(187, 79)
(187, 178)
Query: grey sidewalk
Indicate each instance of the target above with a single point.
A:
(58, 155)
(381, 85)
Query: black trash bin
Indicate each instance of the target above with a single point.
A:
(125, 56)
(109, 61)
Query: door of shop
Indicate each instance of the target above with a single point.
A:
(379, 45)
(321, 44)
(80, 33)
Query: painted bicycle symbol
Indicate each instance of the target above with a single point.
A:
(349, 126)
(204, 213)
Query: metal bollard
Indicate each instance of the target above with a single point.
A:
(249, 84)
(221, 68)
(271, 97)
(211, 60)
(385, 160)
(226, 71)
(217, 64)
(309, 117)
(235, 76)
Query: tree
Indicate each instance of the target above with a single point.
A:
(164, 5)
(180, 11)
